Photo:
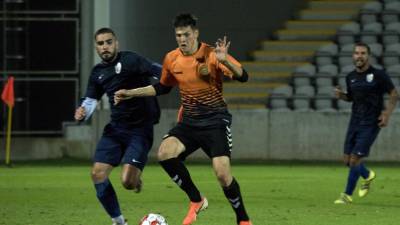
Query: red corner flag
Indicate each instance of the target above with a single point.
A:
(8, 92)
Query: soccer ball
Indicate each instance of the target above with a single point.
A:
(153, 219)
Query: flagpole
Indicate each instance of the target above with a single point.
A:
(8, 140)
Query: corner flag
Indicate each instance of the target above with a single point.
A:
(8, 92)
(8, 97)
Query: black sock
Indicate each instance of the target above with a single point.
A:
(180, 175)
(232, 193)
(106, 195)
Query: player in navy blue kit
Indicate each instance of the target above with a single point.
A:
(128, 137)
(366, 87)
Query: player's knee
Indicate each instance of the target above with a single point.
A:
(130, 184)
(353, 163)
(223, 178)
(98, 176)
(167, 150)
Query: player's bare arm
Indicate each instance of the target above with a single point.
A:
(221, 52)
(340, 94)
(385, 115)
(125, 94)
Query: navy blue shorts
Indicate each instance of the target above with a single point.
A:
(359, 139)
(123, 145)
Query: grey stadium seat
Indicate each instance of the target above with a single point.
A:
(391, 34)
(347, 33)
(391, 55)
(279, 97)
(324, 99)
(302, 98)
(370, 32)
(391, 12)
(370, 12)
(303, 75)
(325, 54)
(343, 106)
(326, 75)
(394, 72)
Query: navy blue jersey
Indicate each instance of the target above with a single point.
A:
(366, 90)
(129, 70)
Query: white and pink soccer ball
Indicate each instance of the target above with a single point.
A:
(153, 219)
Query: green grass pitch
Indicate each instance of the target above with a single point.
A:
(274, 194)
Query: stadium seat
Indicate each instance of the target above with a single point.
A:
(370, 11)
(347, 33)
(391, 12)
(326, 75)
(391, 34)
(324, 99)
(344, 70)
(342, 82)
(303, 75)
(343, 106)
(391, 55)
(302, 98)
(279, 97)
(394, 73)
(279, 104)
(370, 32)
(325, 54)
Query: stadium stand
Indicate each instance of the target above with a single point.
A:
(333, 32)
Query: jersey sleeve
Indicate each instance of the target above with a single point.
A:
(167, 78)
(144, 67)
(93, 89)
(387, 83)
(349, 93)
(221, 67)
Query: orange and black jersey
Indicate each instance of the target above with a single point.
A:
(199, 78)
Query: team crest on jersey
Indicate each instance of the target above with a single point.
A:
(118, 68)
(370, 77)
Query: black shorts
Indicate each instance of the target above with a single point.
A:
(215, 141)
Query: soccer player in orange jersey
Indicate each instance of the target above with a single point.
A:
(198, 70)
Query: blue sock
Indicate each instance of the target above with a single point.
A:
(108, 198)
(364, 172)
(354, 174)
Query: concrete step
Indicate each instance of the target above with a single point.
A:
(246, 106)
(306, 35)
(250, 87)
(322, 14)
(285, 56)
(274, 67)
(283, 77)
(246, 98)
(292, 45)
(315, 24)
(336, 4)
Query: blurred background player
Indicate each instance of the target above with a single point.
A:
(128, 137)
(366, 87)
(198, 69)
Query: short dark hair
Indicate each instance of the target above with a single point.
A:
(184, 20)
(362, 44)
(104, 30)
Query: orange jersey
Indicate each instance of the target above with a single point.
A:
(199, 77)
